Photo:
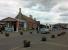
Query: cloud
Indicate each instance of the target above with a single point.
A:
(64, 14)
(47, 11)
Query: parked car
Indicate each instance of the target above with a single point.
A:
(44, 30)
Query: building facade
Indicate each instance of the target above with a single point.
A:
(10, 24)
(30, 23)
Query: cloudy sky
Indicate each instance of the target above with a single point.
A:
(47, 11)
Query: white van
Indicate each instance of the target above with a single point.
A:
(45, 30)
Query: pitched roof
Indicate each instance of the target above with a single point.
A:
(9, 19)
(22, 16)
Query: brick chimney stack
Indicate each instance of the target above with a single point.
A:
(19, 10)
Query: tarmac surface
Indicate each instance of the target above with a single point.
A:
(15, 41)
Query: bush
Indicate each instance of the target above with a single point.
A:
(21, 33)
(26, 43)
(52, 36)
(43, 38)
(7, 34)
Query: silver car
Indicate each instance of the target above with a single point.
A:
(44, 30)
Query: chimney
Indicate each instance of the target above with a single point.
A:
(19, 10)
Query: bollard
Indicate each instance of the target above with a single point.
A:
(30, 32)
(7, 34)
(43, 38)
(52, 36)
(21, 33)
(26, 43)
